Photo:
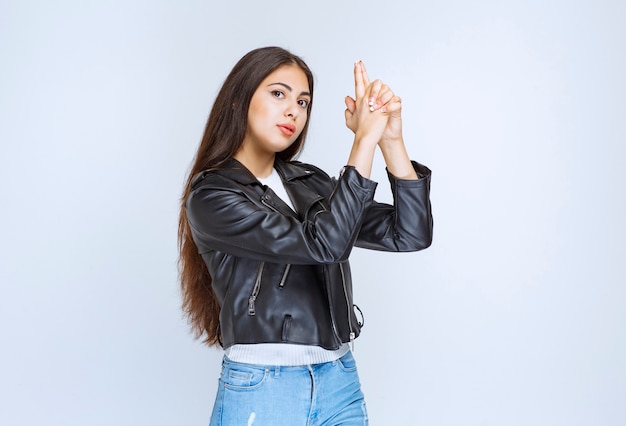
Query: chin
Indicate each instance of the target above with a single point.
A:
(283, 147)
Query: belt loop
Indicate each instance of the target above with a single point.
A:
(277, 371)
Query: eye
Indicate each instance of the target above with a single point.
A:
(278, 94)
(304, 103)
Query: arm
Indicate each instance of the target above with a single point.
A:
(230, 218)
(407, 225)
(397, 159)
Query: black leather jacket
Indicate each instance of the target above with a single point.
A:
(284, 276)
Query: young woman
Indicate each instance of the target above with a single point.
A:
(264, 241)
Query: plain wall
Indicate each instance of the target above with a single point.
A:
(515, 315)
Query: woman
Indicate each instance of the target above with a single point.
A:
(264, 241)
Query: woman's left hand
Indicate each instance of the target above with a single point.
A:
(382, 98)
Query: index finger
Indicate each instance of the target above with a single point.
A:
(359, 83)
(366, 80)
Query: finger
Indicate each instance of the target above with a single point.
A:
(374, 93)
(366, 80)
(359, 87)
(350, 104)
(394, 107)
(385, 95)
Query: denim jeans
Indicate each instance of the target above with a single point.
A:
(326, 394)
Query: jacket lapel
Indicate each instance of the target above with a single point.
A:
(274, 202)
(294, 179)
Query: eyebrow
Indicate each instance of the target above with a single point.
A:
(288, 87)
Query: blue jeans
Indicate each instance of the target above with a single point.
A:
(326, 394)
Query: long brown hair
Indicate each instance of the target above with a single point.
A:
(223, 136)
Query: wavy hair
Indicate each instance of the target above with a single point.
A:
(223, 136)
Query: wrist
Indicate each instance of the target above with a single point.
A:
(391, 142)
(365, 140)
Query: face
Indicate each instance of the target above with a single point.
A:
(278, 111)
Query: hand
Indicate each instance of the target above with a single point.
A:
(393, 131)
(380, 98)
(367, 115)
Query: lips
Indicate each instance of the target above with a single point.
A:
(287, 129)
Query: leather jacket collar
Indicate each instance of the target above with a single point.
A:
(235, 170)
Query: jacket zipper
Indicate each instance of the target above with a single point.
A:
(255, 290)
(345, 292)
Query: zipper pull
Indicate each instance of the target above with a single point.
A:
(255, 290)
(352, 337)
(281, 284)
(251, 310)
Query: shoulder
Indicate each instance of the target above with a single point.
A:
(295, 169)
(212, 185)
(230, 174)
(308, 166)
(210, 178)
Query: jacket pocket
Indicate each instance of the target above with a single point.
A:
(286, 328)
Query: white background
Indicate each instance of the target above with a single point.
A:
(515, 315)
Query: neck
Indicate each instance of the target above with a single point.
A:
(260, 164)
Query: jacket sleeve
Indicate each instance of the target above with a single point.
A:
(407, 225)
(226, 220)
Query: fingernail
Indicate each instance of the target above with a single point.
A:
(371, 108)
(371, 101)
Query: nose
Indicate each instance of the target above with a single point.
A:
(292, 111)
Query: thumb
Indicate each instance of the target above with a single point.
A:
(350, 104)
(348, 115)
